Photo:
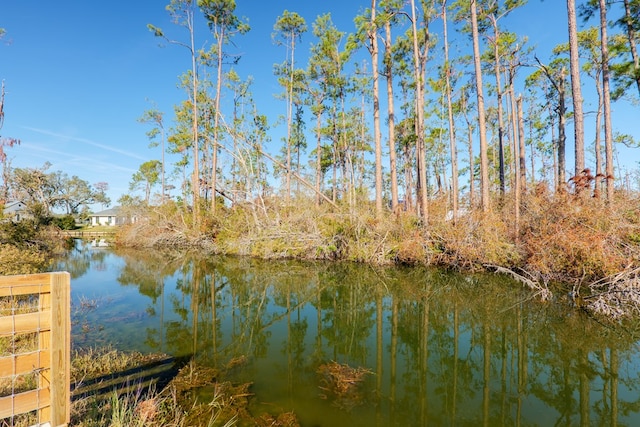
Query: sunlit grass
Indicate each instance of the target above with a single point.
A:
(136, 405)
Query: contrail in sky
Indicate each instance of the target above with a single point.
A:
(77, 159)
(86, 141)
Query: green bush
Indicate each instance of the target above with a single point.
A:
(14, 260)
(21, 233)
(66, 222)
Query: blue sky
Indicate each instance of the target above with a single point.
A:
(78, 75)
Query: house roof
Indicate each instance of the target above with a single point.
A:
(14, 206)
(114, 211)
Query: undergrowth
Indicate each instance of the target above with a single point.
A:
(182, 402)
(558, 238)
(27, 247)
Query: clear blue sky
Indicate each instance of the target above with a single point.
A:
(79, 73)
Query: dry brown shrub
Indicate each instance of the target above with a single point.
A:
(147, 410)
(568, 238)
(412, 250)
(474, 240)
(273, 230)
(167, 225)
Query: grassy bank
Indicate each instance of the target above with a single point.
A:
(565, 241)
(128, 389)
(561, 239)
(118, 389)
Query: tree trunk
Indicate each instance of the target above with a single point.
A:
(608, 132)
(452, 130)
(522, 151)
(419, 122)
(472, 189)
(289, 120)
(517, 161)
(216, 121)
(554, 156)
(631, 36)
(472, 168)
(373, 38)
(195, 178)
(576, 88)
(334, 154)
(408, 177)
(334, 193)
(597, 141)
(482, 128)
(391, 118)
(562, 137)
(318, 155)
(496, 56)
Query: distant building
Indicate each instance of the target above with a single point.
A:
(15, 211)
(112, 216)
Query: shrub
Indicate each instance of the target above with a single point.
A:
(572, 239)
(14, 260)
(565, 238)
(22, 233)
(476, 240)
(66, 222)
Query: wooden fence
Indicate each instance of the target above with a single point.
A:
(89, 234)
(48, 325)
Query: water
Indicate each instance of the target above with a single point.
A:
(441, 348)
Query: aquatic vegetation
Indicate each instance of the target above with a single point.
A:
(343, 384)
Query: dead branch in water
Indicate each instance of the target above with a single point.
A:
(615, 296)
(541, 289)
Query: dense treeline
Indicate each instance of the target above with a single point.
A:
(435, 106)
(516, 203)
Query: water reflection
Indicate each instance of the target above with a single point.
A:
(443, 349)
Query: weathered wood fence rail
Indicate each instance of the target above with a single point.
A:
(36, 305)
(89, 234)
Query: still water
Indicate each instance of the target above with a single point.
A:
(441, 348)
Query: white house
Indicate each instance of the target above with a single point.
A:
(111, 216)
(15, 211)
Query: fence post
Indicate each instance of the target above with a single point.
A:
(60, 348)
(52, 324)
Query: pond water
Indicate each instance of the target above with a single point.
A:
(440, 348)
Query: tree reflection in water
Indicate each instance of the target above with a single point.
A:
(445, 348)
